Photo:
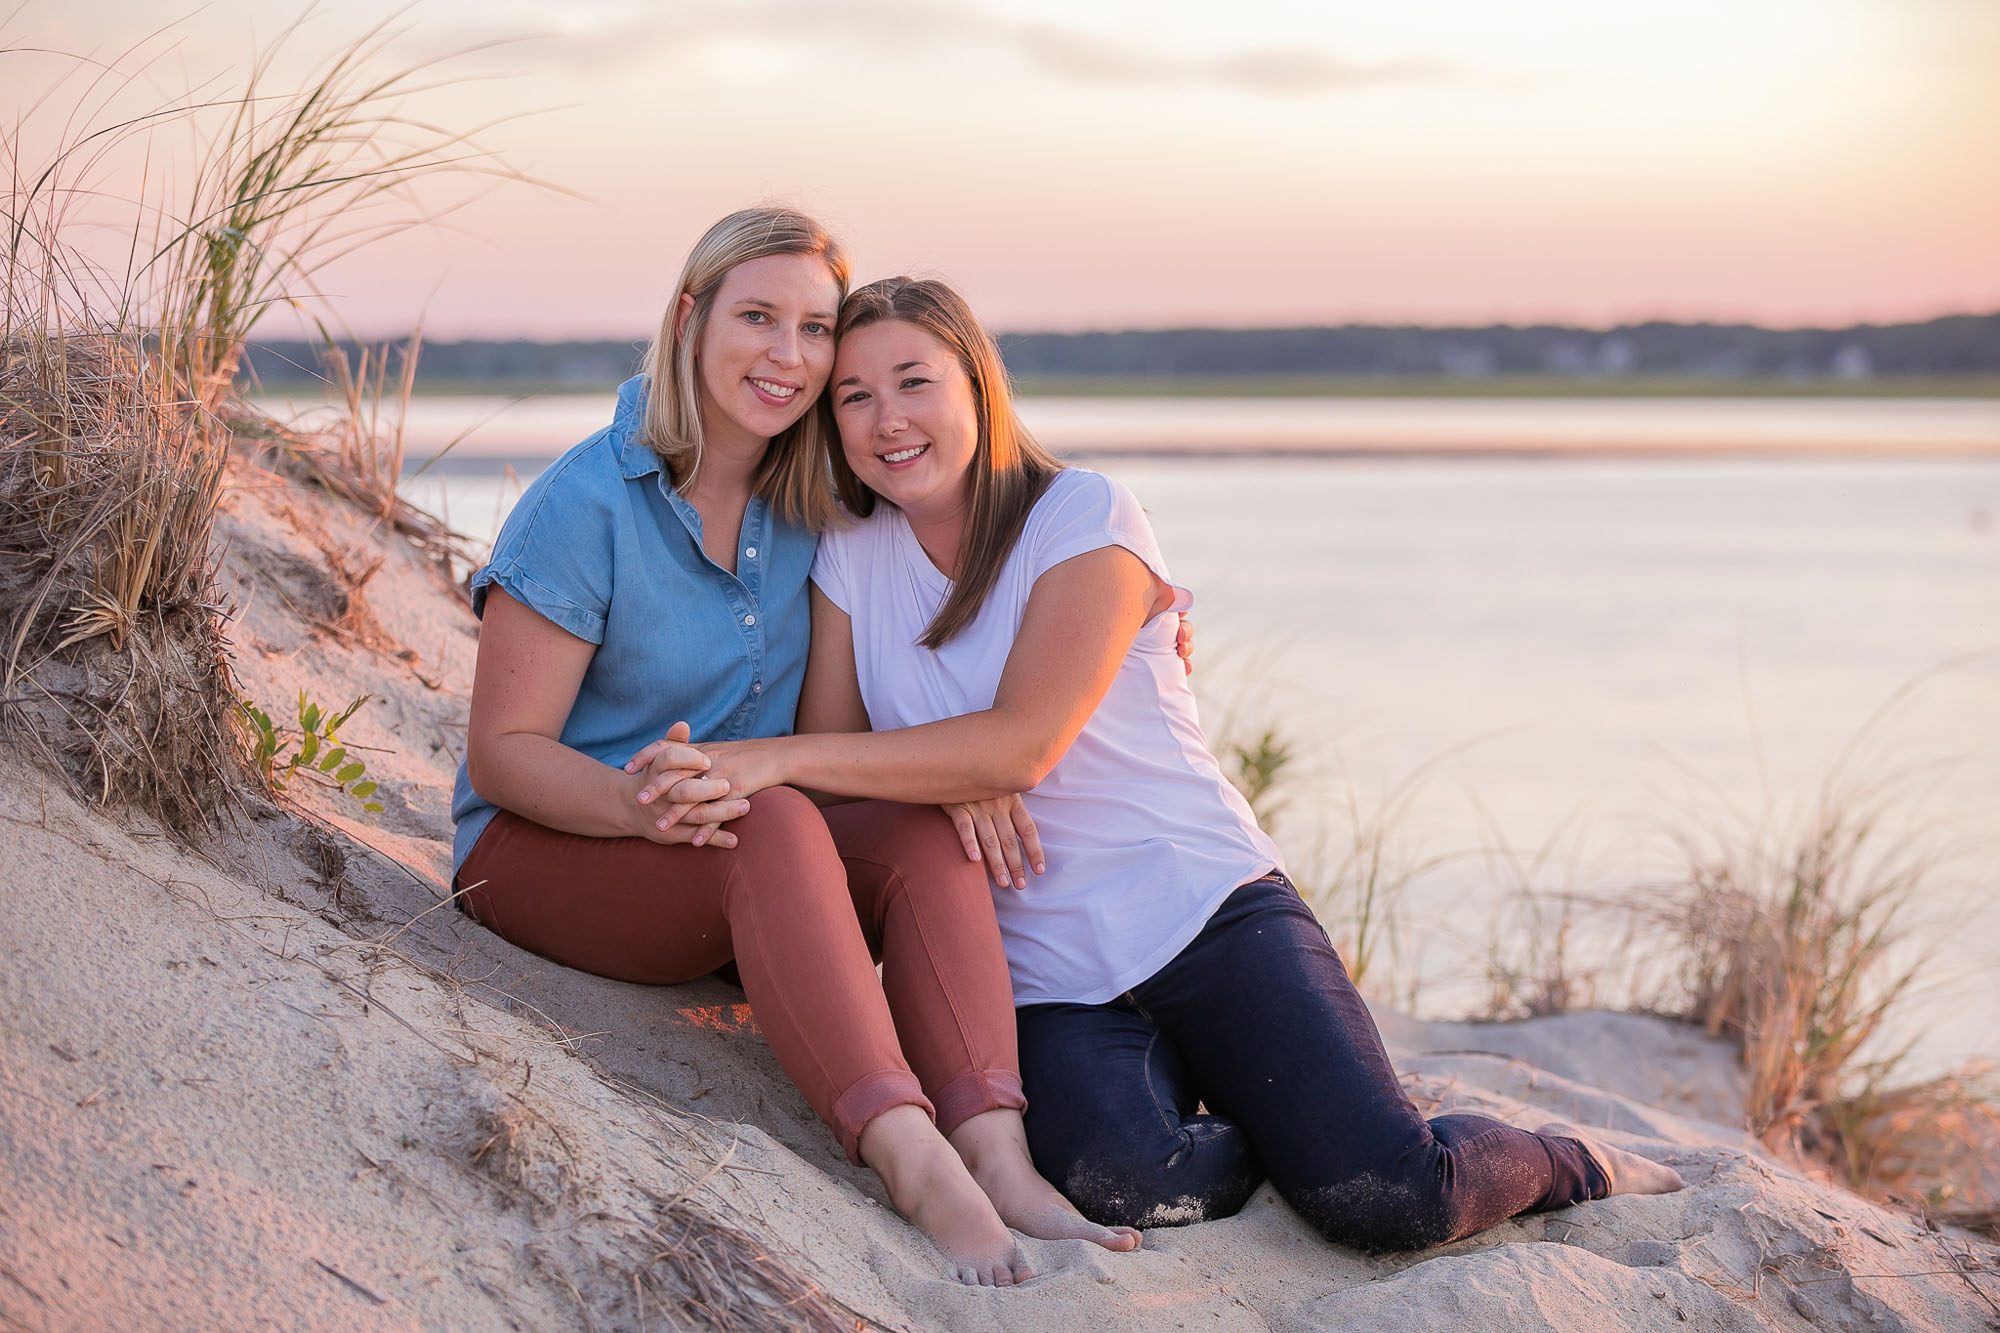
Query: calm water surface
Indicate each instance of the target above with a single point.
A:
(1569, 659)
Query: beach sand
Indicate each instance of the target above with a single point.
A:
(276, 1084)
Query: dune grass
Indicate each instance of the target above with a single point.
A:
(1808, 946)
(117, 384)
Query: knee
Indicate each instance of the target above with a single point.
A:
(923, 843)
(784, 839)
(1203, 1173)
(909, 854)
(1374, 1213)
(782, 815)
(784, 808)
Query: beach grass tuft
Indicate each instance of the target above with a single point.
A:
(114, 660)
(1808, 950)
(117, 387)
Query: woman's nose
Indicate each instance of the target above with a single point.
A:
(786, 349)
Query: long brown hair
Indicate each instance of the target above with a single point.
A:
(790, 478)
(1009, 470)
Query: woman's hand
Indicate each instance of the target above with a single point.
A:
(748, 766)
(1002, 832)
(1184, 643)
(673, 801)
(671, 751)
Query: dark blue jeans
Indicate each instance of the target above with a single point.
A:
(1252, 1055)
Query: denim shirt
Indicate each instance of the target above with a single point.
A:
(682, 638)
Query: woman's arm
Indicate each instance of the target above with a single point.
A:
(831, 697)
(523, 688)
(1001, 832)
(1081, 618)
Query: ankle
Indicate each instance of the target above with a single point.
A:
(993, 1143)
(902, 1146)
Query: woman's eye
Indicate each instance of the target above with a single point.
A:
(854, 397)
(913, 382)
(755, 316)
(818, 330)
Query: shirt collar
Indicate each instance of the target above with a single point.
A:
(636, 458)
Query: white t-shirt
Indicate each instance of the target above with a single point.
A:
(1144, 835)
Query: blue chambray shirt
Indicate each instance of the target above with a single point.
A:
(602, 545)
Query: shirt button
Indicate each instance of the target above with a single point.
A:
(756, 687)
(749, 553)
(749, 620)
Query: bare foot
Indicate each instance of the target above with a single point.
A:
(994, 1147)
(931, 1187)
(1628, 1172)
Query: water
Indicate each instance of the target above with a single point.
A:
(522, 430)
(1565, 660)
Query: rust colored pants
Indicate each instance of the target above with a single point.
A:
(805, 904)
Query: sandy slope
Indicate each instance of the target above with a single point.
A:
(224, 1102)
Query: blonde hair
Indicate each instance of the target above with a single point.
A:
(791, 478)
(1009, 470)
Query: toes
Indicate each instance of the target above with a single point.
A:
(1129, 1238)
(969, 1276)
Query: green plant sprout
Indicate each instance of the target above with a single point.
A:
(318, 753)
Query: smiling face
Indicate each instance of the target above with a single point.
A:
(766, 347)
(909, 426)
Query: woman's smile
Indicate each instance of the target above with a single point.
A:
(903, 457)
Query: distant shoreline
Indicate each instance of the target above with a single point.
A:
(464, 464)
(1349, 386)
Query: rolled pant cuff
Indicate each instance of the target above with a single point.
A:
(868, 1097)
(1575, 1174)
(975, 1093)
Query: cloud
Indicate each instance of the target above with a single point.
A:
(661, 39)
(1272, 70)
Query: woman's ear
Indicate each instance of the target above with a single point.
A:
(683, 312)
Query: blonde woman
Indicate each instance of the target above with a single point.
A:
(653, 580)
(1186, 1028)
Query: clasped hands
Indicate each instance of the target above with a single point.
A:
(675, 800)
(685, 793)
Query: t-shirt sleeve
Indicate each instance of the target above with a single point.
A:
(1089, 512)
(830, 564)
(555, 557)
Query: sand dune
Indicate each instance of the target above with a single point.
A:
(276, 1085)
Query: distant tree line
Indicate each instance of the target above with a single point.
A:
(1961, 345)
(1957, 345)
(477, 361)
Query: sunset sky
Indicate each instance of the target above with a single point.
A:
(1131, 164)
